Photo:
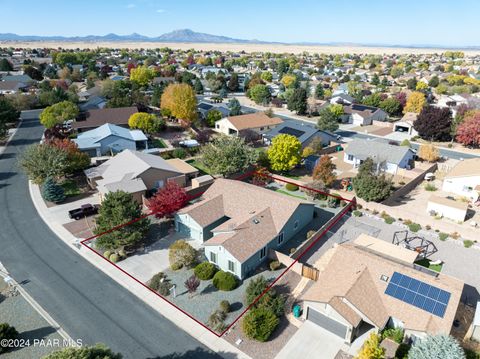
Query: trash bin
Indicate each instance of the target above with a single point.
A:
(297, 311)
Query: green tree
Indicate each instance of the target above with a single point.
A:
(5, 65)
(8, 114)
(52, 191)
(259, 324)
(58, 113)
(212, 116)
(235, 107)
(233, 82)
(141, 75)
(284, 153)
(267, 76)
(372, 100)
(412, 83)
(391, 106)
(7, 332)
(148, 123)
(260, 94)
(434, 81)
(119, 208)
(436, 347)
(98, 351)
(198, 87)
(228, 155)
(371, 184)
(336, 109)
(40, 161)
(298, 101)
(319, 92)
(375, 80)
(327, 121)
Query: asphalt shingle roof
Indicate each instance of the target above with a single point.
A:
(377, 150)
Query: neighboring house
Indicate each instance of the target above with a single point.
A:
(304, 132)
(258, 122)
(362, 115)
(388, 157)
(161, 80)
(109, 139)
(94, 102)
(18, 78)
(133, 172)
(239, 222)
(447, 208)
(98, 117)
(342, 98)
(204, 108)
(11, 87)
(406, 124)
(373, 284)
(464, 179)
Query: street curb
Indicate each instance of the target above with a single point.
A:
(181, 320)
(4, 147)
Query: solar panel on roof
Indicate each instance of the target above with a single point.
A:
(419, 294)
(292, 131)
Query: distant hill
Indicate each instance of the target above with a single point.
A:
(184, 35)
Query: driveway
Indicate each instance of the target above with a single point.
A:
(311, 341)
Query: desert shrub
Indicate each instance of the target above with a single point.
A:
(224, 281)
(374, 212)
(155, 281)
(430, 187)
(455, 235)
(7, 332)
(310, 234)
(291, 187)
(407, 222)
(107, 254)
(396, 334)
(468, 243)
(254, 288)
(359, 206)
(225, 306)
(114, 258)
(389, 220)
(443, 236)
(428, 227)
(205, 270)
(122, 253)
(357, 213)
(215, 320)
(332, 201)
(292, 250)
(164, 288)
(181, 254)
(414, 227)
(179, 153)
(259, 324)
(274, 265)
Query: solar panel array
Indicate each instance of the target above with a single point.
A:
(419, 294)
(292, 131)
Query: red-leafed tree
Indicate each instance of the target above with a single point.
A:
(468, 132)
(77, 160)
(130, 66)
(324, 171)
(168, 200)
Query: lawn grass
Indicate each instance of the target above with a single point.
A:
(289, 193)
(70, 188)
(426, 263)
(158, 143)
(200, 166)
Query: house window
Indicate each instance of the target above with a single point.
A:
(263, 252)
(280, 238)
(261, 128)
(295, 225)
(231, 266)
(159, 184)
(350, 157)
(213, 257)
(467, 189)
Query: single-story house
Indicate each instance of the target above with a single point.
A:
(464, 179)
(92, 103)
(362, 115)
(11, 87)
(109, 139)
(304, 132)
(133, 172)
(448, 208)
(238, 223)
(95, 118)
(19, 78)
(205, 107)
(406, 124)
(258, 122)
(371, 283)
(342, 98)
(388, 157)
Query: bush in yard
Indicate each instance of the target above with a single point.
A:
(371, 349)
(371, 184)
(333, 201)
(114, 258)
(215, 321)
(52, 191)
(225, 306)
(468, 243)
(164, 288)
(179, 153)
(259, 324)
(7, 332)
(436, 347)
(430, 187)
(93, 352)
(414, 227)
(192, 284)
(205, 270)
(310, 234)
(442, 236)
(396, 334)
(270, 300)
(224, 281)
(357, 213)
(291, 187)
(122, 253)
(107, 254)
(155, 281)
(181, 254)
(274, 265)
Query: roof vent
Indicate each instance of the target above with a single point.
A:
(384, 278)
(256, 221)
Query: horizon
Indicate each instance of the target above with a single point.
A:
(153, 18)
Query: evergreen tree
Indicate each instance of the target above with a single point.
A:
(198, 87)
(319, 91)
(233, 82)
(52, 191)
(436, 347)
(298, 101)
(235, 107)
(370, 184)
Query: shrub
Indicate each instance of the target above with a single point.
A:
(408, 222)
(389, 220)
(192, 284)
(7, 332)
(291, 187)
(455, 235)
(181, 254)
(442, 236)
(224, 281)
(114, 258)
(468, 243)
(52, 191)
(122, 253)
(254, 288)
(428, 227)
(357, 213)
(107, 254)
(274, 265)
(215, 321)
(374, 212)
(414, 227)
(396, 334)
(225, 306)
(310, 234)
(155, 281)
(179, 153)
(359, 206)
(430, 187)
(205, 270)
(164, 288)
(259, 324)
(292, 250)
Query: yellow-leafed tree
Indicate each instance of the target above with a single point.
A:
(141, 75)
(181, 101)
(371, 348)
(415, 102)
(428, 153)
(284, 153)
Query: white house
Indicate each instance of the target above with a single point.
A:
(362, 115)
(464, 179)
(258, 122)
(448, 208)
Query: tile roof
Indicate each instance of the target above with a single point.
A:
(359, 284)
(253, 120)
(101, 116)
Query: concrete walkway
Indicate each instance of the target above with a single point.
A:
(164, 308)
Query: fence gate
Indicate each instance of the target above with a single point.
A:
(310, 273)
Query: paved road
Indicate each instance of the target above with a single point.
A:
(83, 300)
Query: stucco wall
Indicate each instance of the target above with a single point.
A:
(459, 186)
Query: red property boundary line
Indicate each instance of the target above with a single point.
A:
(351, 204)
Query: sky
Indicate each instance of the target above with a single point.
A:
(407, 22)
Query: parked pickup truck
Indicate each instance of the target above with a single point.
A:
(84, 211)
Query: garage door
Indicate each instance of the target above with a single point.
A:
(327, 323)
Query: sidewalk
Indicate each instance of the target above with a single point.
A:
(167, 310)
